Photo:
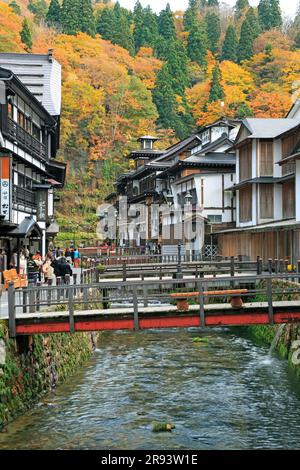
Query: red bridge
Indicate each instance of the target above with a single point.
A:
(138, 305)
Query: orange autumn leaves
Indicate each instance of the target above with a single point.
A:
(10, 27)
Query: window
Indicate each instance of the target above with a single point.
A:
(266, 198)
(215, 219)
(245, 162)
(245, 200)
(288, 200)
(266, 159)
(28, 124)
(205, 137)
(35, 132)
(10, 110)
(21, 119)
(147, 144)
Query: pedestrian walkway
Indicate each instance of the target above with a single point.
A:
(4, 296)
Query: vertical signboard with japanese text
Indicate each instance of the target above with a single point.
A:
(42, 200)
(5, 187)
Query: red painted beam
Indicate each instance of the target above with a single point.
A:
(160, 322)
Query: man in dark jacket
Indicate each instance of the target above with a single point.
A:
(63, 268)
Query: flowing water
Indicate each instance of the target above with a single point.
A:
(226, 393)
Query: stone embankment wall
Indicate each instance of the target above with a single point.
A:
(287, 345)
(32, 366)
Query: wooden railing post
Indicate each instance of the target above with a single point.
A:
(135, 309)
(49, 291)
(124, 271)
(38, 295)
(58, 290)
(201, 303)
(31, 298)
(145, 292)
(270, 265)
(24, 299)
(67, 281)
(259, 266)
(11, 310)
(270, 300)
(232, 270)
(71, 310)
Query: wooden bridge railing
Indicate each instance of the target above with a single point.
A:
(136, 295)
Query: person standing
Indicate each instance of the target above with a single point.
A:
(76, 258)
(33, 269)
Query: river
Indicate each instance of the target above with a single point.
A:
(225, 393)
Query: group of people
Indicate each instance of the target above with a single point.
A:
(57, 263)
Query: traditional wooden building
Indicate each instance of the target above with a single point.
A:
(29, 171)
(267, 190)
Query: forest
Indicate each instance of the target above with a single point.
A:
(128, 73)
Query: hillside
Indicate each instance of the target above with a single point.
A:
(127, 74)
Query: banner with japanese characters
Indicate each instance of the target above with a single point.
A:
(5, 187)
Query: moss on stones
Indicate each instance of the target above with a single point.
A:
(45, 362)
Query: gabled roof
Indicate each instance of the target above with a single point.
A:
(212, 158)
(222, 122)
(294, 110)
(269, 128)
(224, 139)
(185, 144)
(9, 76)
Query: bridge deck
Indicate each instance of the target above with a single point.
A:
(157, 317)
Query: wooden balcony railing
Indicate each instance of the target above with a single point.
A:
(24, 139)
(24, 197)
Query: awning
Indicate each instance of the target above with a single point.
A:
(53, 229)
(27, 228)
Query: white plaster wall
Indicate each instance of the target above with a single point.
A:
(277, 157)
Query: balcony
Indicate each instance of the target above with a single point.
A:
(24, 197)
(29, 143)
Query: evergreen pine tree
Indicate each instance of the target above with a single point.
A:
(146, 30)
(269, 13)
(166, 26)
(87, 23)
(176, 61)
(190, 15)
(216, 89)
(25, 35)
(71, 16)
(230, 45)
(212, 3)
(39, 8)
(170, 117)
(53, 14)
(106, 23)
(249, 32)
(240, 8)
(213, 28)
(197, 43)
(276, 13)
(122, 34)
(138, 15)
(15, 7)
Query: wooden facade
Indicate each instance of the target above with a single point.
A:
(276, 244)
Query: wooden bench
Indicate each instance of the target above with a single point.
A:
(235, 299)
(12, 276)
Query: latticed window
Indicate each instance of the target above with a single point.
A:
(266, 197)
(245, 200)
(245, 162)
(266, 159)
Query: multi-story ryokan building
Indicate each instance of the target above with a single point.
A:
(30, 87)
